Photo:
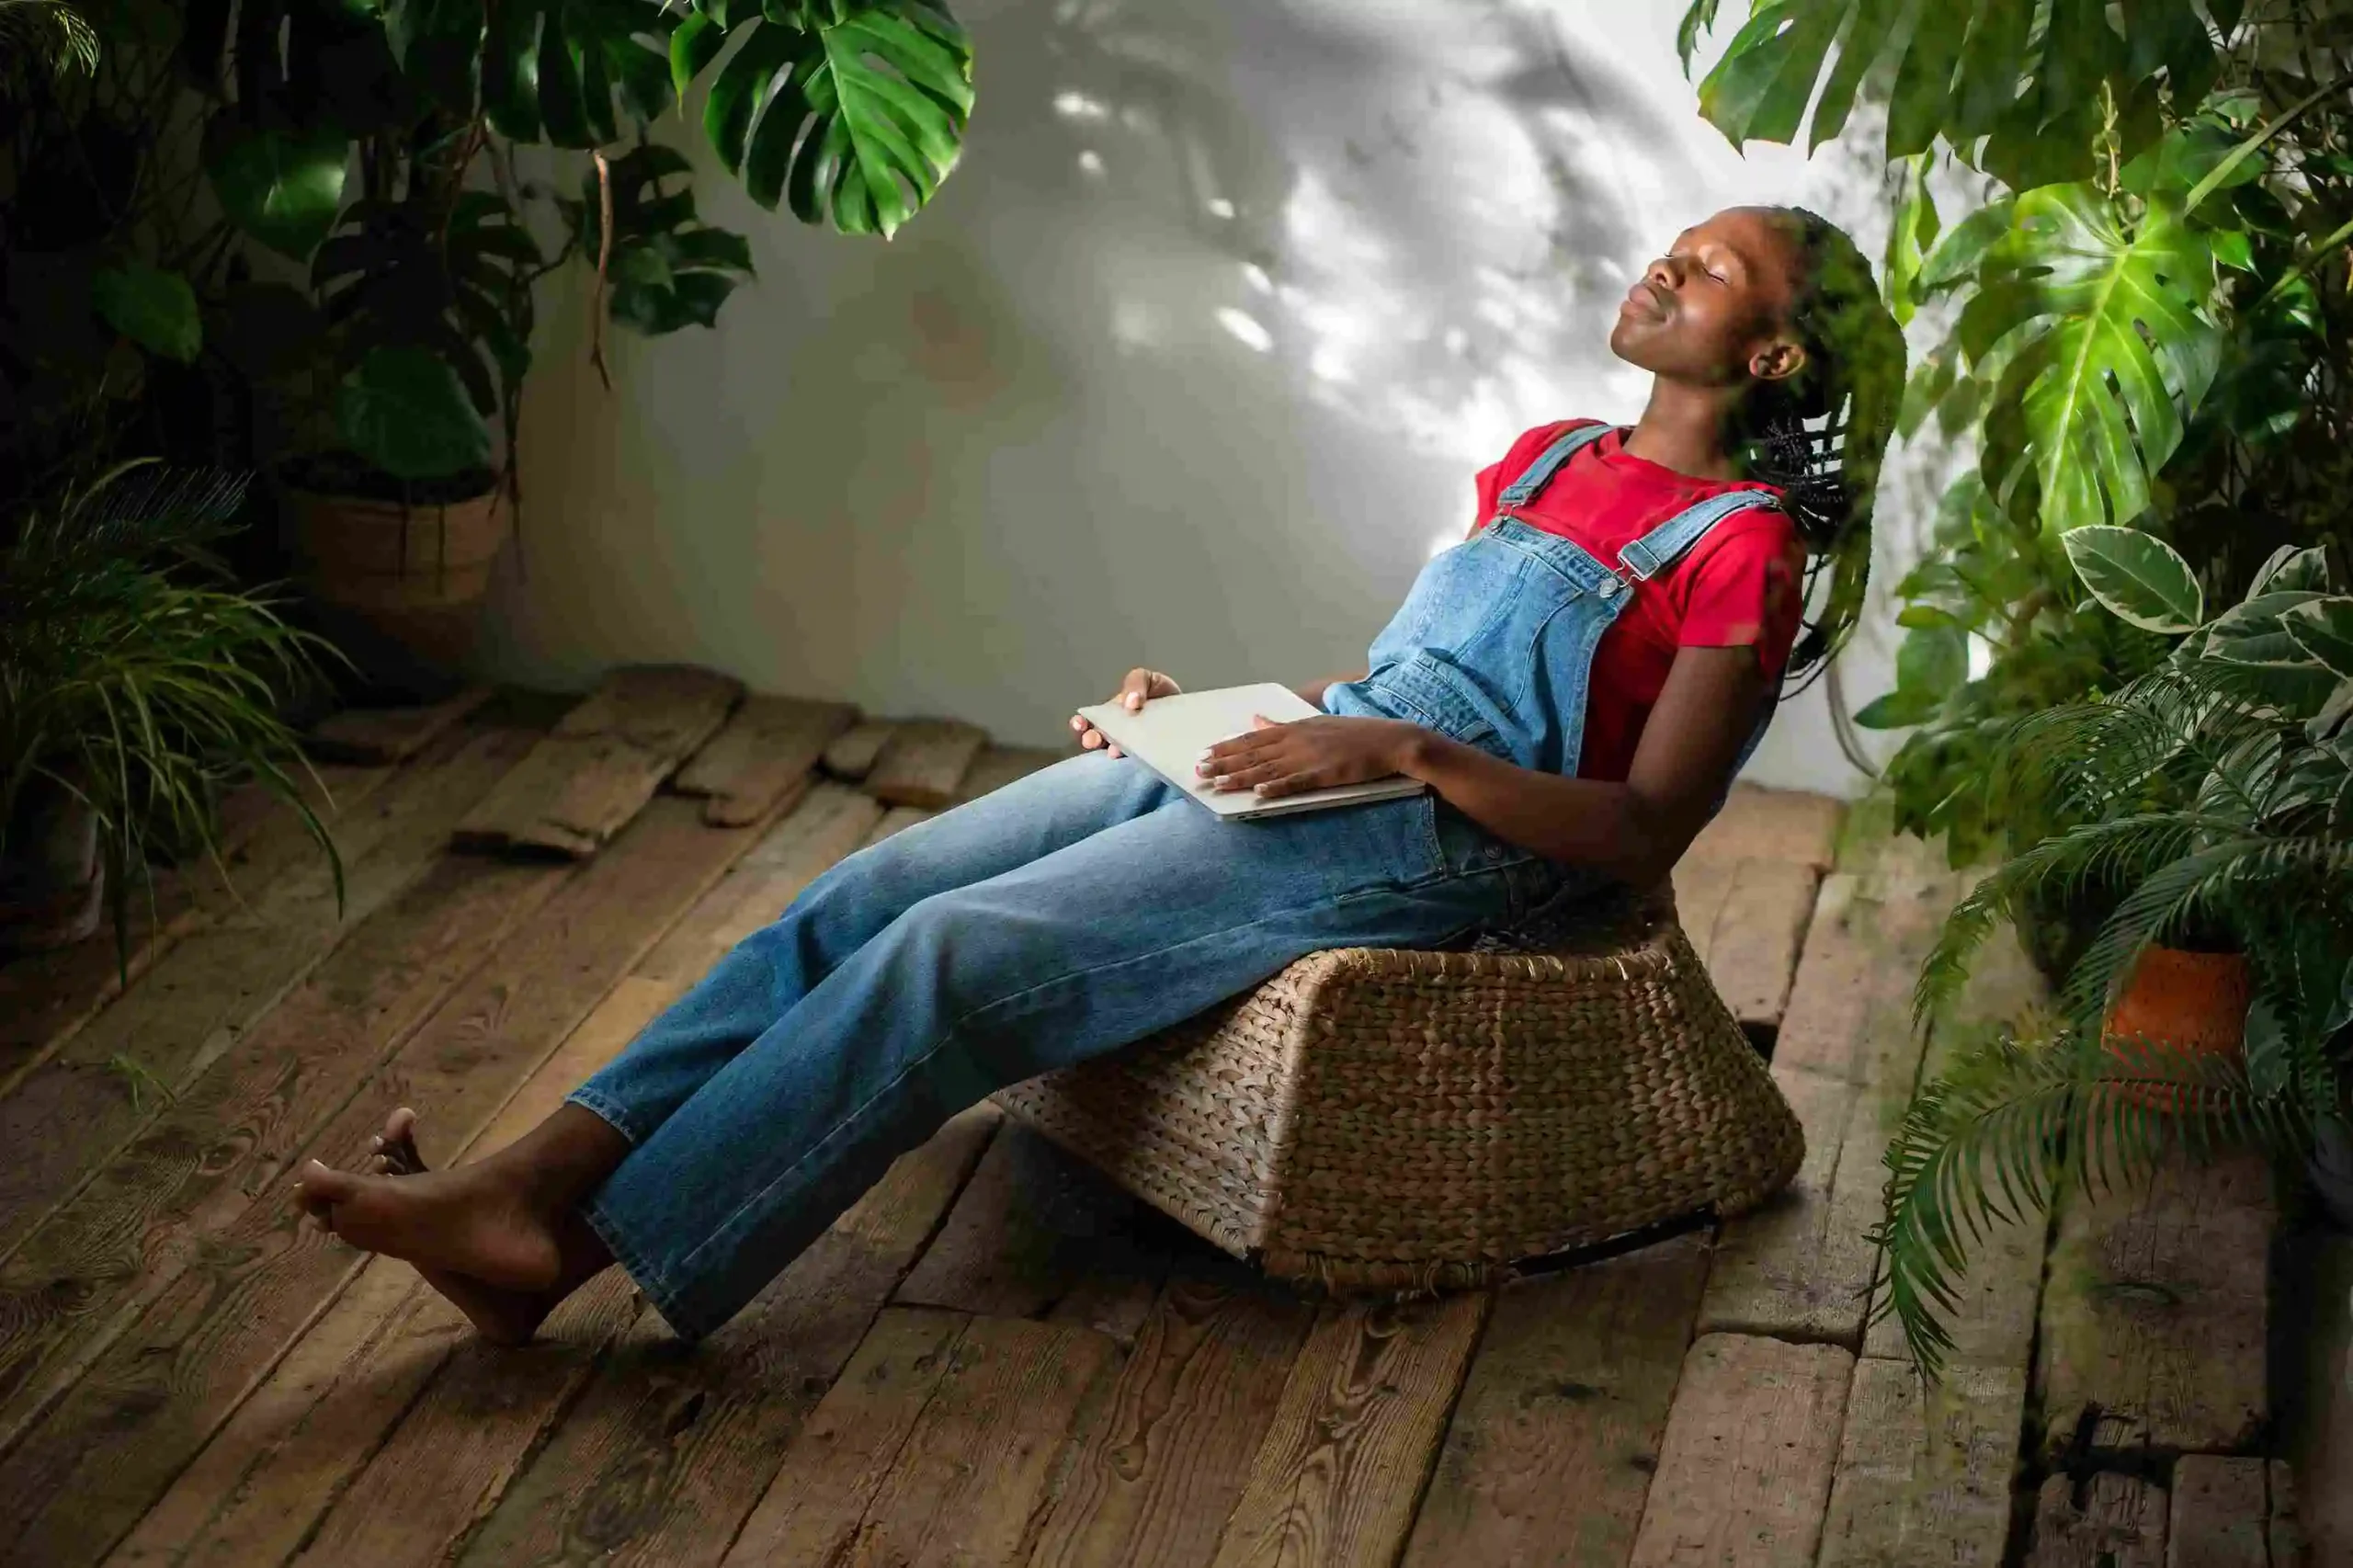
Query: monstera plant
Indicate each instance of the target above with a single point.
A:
(2146, 318)
(372, 141)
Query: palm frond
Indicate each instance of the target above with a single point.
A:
(1992, 1139)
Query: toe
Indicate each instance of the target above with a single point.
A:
(323, 1185)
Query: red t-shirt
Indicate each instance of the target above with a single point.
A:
(1741, 586)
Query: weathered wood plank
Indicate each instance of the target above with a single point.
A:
(74, 1111)
(585, 782)
(1800, 1267)
(384, 736)
(666, 1454)
(2219, 1514)
(1700, 889)
(1745, 1470)
(897, 819)
(925, 763)
(979, 1462)
(80, 1478)
(2155, 1321)
(1354, 1436)
(834, 1469)
(82, 1278)
(1162, 1470)
(769, 748)
(1035, 1226)
(46, 997)
(1924, 1475)
(1849, 1013)
(1571, 1384)
(2112, 1521)
(1752, 953)
(998, 766)
(2291, 1545)
(852, 753)
(1772, 824)
(258, 1490)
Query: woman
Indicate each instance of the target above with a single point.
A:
(1577, 684)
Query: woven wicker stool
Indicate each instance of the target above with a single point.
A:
(1373, 1120)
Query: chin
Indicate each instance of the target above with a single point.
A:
(1626, 342)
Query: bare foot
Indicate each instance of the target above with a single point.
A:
(501, 1316)
(468, 1221)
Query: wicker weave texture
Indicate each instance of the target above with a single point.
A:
(1373, 1118)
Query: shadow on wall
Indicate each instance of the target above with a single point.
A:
(1190, 364)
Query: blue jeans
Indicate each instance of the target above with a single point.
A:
(1072, 911)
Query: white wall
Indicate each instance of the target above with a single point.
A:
(1190, 364)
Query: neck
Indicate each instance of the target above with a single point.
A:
(1683, 428)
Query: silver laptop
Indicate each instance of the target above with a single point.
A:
(1171, 732)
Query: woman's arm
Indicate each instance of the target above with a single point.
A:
(1634, 831)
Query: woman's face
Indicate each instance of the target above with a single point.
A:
(1710, 311)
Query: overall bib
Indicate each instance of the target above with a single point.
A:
(1075, 911)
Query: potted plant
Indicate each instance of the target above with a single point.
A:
(375, 145)
(2212, 1004)
(132, 681)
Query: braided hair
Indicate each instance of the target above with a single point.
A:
(1819, 436)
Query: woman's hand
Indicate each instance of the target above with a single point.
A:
(1140, 687)
(1309, 754)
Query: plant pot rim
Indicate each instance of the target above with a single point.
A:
(299, 476)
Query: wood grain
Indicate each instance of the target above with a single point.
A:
(80, 1478)
(980, 1462)
(1752, 951)
(1924, 1473)
(2110, 1521)
(1751, 1445)
(1849, 1013)
(767, 749)
(1355, 1434)
(82, 1278)
(74, 1112)
(847, 1449)
(383, 735)
(998, 766)
(585, 782)
(1036, 1226)
(46, 997)
(1700, 889)
(1162, 1470)
(2219, 1514)
(1800, 1267)
(2155, 1321)
(925, 763)
(1572, 1380)
(667, 1453)
(852, 753)
(1772, 824)
(260, 1489)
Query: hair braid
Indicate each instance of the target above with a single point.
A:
(1820, 436)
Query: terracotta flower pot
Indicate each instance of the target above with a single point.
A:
(417, 572)
(2188, 1004)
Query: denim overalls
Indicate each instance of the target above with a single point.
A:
(1075, 911)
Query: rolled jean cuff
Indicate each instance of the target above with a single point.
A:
(648, 1280)
(609, 1112)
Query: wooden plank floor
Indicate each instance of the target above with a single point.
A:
(997, 1357)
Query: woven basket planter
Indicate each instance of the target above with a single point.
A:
(1382, 1121)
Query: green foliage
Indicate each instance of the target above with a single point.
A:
(668, 270)
(155, 308)
(43, 38)
(282, 187)
(131, 677)
(405, 411)
(2138, 578)
(2216, 796)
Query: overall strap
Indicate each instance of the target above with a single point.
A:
(1660, 548)
(1538, 474)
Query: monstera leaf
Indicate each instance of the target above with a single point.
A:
(851, 111)
(2015, 85)
(2095, 342)
(667, 270)
(405, 411)
(546, 70)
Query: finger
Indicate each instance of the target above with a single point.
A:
(1248, 778)
(1135, 688)
(1115, 751)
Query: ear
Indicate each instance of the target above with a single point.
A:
(1778, 360)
